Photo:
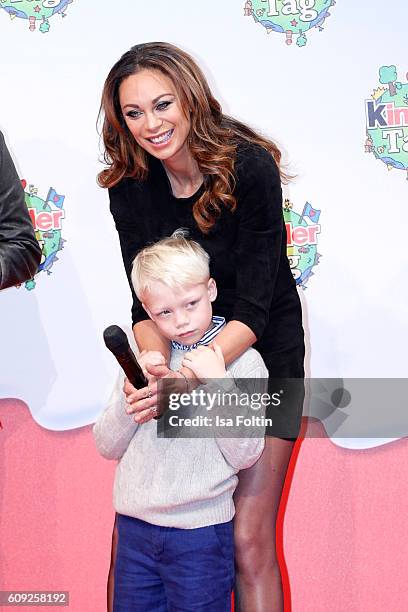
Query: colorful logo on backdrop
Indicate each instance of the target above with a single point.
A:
(387, 120)
(293, 18)
(38, 13)
(46, 216)
(302, 232)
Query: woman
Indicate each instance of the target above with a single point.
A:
(175, 160)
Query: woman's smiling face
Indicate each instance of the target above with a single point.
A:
(154, 115)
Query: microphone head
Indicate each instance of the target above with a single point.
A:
(115, 339)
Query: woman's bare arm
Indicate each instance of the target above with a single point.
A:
(234, 339)
(148, 338)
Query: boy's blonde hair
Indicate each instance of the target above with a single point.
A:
(175, 261)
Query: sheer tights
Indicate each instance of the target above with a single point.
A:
(257, 497)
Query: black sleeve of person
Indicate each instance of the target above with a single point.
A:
(20, 253)
(259, 247)
(130, 239)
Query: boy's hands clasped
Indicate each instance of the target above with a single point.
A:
(154, 358)
(206, 362)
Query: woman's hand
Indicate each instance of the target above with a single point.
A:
(145, 403)
(206, 362)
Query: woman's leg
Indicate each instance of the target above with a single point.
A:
(110, 585)
(258, 577)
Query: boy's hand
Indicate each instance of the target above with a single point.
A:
(154, 358)
(206, 362)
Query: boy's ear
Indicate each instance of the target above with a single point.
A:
(147, 310)
(212, 289)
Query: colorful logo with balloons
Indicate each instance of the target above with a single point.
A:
(46, 216)
(292, 18)
(387, 120)
(38, 13)
(302, 232)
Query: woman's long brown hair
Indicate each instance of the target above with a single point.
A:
(213, 136)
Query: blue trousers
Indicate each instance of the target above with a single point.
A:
(163, 569)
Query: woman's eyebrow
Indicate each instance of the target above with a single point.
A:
(153, 101)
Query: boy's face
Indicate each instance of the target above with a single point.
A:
(182, 314)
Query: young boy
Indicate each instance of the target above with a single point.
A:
(173, 496)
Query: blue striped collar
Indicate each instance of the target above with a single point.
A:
(218, 324)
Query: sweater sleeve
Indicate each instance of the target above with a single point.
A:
(20, 253)
(114, 428)
(242, 452)
(259, 237)
(131, 242)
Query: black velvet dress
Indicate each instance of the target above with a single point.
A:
(248, 260)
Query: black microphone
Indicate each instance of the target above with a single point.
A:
(116, 341)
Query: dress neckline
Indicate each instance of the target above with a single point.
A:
(187, 199)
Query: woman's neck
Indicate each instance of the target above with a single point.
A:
(184, 175)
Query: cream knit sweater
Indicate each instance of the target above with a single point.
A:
(178, 482)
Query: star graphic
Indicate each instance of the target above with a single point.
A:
(37, 9)
(293, 22)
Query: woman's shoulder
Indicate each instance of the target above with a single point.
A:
(130, 187)
(132, 197)
(126, 184)
(126, 199)
(136, 185)
(255, 168)
(2, 146)
(253, 159)
(119, 197)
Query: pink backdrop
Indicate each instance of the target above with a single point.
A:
(344, 529)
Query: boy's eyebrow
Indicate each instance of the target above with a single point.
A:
(153, 101)
(160, 308)
(188, 298)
